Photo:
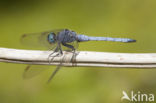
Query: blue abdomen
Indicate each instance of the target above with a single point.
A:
(88, 38)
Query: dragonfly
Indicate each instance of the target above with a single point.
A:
(55, 40)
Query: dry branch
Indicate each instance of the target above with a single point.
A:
(84, 58)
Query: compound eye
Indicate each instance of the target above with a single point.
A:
(51, 37)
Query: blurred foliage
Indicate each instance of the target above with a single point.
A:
(122, 18)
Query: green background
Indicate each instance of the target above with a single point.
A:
(115, 18)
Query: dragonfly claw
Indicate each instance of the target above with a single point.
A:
(51, 56)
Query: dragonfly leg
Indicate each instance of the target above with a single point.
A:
(60, 49)
(73, 59)
(50, 55)
(69, 46)
(73, 50)
(60, 53)
(59, 66)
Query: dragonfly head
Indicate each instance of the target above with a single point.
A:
(51, 38)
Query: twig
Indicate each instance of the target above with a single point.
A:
(84, 58)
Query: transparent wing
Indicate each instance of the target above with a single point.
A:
(33, 70)
(38, 40)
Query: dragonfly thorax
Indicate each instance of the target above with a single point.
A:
(66, 36)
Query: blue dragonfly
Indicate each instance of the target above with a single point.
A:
(56, 39)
